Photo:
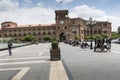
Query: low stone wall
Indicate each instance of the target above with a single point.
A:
(16, 46)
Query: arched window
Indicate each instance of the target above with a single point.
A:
(48, 33)
(15, 35)
(65, 27)
(29, 33)
(99, 31)
(54, 33)
(39, 33)
(95, 31)
(58, 27)
(5, 35)
(44, 33)
(34, 33)
(19, 34)
(10, 35)
(24, 34)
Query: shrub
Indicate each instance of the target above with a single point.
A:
(54, 45)
(47, 38)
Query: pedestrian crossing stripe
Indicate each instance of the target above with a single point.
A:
(20, 74)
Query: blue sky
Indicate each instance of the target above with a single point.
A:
(42, 11)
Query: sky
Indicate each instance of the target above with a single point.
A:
(43, 11)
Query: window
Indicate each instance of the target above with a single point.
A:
(65, 27)
(48, 33)
(48, 28)
(29, 29)
(10, 35)
(58, 27)
(54, 33)
(105, 32)
(34, 33)
(29, 33)
(19, 34)
(24, 29)
(99, 31)
(105, 24)
(5, 35)
(10, 30)
(39, 33)
(39, 28)
(44, 33)
(19, 30)
(54, 28)
(43, 29)
(33, 29)
(24, 34)
(15, 35)
(73, 22)
(14, 30)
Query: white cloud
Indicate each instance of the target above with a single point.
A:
(8, 5)
(28, 1)
(36, 15)
(86, 12)
(40, 14)
(64, 1)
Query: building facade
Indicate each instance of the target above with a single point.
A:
(65, 28)
(119, 30)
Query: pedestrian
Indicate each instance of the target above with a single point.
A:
(10, 47)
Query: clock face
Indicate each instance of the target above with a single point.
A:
(61, 22)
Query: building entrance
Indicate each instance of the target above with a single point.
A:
(62, 37)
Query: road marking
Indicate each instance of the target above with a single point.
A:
(27, 62)
(2, 54)
(20, 74)
(24, 58)
(57, 71)
(10, 69)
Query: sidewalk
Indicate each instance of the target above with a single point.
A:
(57, 71)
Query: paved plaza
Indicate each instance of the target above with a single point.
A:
(33, 63)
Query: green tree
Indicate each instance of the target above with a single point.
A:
(54, 39)
(104, 36)
(115, 35)
(98, 36)
(29, 38)
(47, 38)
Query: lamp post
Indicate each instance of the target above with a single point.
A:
(91, 23)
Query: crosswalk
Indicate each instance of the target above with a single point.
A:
(22, 62)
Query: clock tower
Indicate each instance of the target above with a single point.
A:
(61, 16)
(62, 22)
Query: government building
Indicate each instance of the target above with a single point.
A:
(65, 28)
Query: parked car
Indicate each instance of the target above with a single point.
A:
(116, 40)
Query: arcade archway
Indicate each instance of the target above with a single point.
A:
(62, 37)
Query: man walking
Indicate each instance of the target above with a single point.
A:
(9, 47)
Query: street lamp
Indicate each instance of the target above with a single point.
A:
(91, 23)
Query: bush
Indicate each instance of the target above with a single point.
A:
(54, 45)
(28, 38)
(47, 38)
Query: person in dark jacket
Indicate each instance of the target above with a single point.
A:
(10, 47)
